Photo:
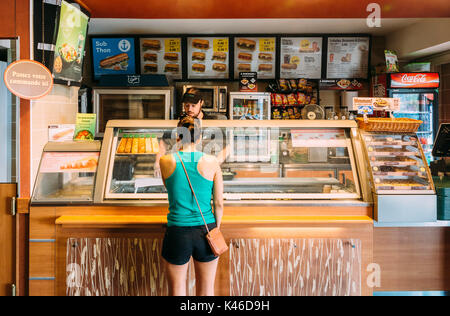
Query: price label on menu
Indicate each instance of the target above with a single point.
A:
(267, 45)
(220, 45)
(172, 45)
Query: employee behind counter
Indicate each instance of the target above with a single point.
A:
(192, 102)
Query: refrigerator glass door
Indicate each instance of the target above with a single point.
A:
(419, 106)
(254, 108)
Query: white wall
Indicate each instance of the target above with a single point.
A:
(60, 106)
(426, 37)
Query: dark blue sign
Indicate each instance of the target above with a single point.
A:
(113, 56)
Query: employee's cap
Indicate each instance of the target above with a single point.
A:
(191, 96)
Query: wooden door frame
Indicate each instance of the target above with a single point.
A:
(8, 247)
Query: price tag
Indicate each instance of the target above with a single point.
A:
(220, 45)
(267, 45)
(172, 45)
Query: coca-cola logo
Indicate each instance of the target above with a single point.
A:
(419, 78)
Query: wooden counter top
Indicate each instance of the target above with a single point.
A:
(90, 220)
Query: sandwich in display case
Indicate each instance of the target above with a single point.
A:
(401, 181)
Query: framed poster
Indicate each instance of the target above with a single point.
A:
(113, 56)
(301, 57)
(348, 57)
(255, 54)
(70, 43)
(161, 56)
(208, 57)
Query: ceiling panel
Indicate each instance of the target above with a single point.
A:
(268, 9)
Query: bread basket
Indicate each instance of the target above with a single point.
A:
(376, 124)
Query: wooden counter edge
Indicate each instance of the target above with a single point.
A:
(23, 205)
(92, 220)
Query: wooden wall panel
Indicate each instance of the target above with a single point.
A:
(8, 18)
(42, 259)
(42, 223)
(413, 258)
(42, 288)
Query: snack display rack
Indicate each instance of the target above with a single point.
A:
(401, 181)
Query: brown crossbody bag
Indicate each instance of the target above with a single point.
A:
(214, 236)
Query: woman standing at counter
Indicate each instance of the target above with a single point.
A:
(185, 234)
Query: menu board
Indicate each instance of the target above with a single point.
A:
(208, 57)
(255, 54)
(348, 57)
(301, 57)
(113, 56)
(70, 43)
(161, 56)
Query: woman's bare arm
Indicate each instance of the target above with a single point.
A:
(218, 195)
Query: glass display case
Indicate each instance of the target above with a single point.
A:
(397, 163)
(400, 178)
(260, 161)
(132, 104)
(249, 106)
(67, 173)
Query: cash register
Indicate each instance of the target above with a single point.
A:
(440, 169)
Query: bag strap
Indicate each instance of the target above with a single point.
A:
(193, 193)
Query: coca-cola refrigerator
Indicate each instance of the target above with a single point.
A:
(418, 94)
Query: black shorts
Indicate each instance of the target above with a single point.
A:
(182, 242)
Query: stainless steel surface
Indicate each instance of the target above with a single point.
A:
(168, 92)
(405, 208)
(413, 224)
(219, 96)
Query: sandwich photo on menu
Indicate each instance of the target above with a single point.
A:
(151, 45)
(198, 67)
(219, 67)
(171, 56)
(117, 62)
(200, 44)
(245, 56)
(265, 56)
(150, 57)
(244, 67)
(198, 56)
(150, 68)
(247, 44)
(171, 68)
(265, 67)
(220, 56)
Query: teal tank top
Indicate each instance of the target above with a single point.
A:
(183, 210)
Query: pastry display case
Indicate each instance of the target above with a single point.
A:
(304, 160)
(400, 178)
(67, 173)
